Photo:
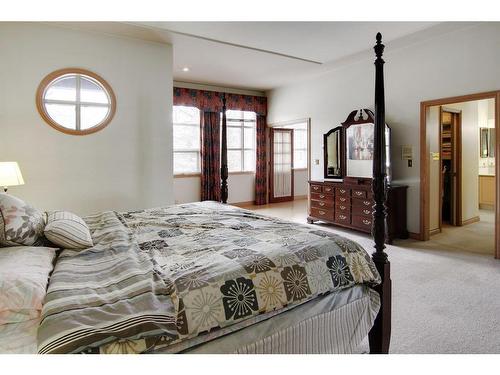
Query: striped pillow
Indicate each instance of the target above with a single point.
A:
(67, 230)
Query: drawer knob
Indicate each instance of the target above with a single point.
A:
(342, 191)
(328, 189)
(321, 204)
(358, 193)
(342, 199)
(342, 207)
(315, 188)
(321, 196)
(367, 222)
(322, 212)
(366, 212)
(342, 217)
(366, 203)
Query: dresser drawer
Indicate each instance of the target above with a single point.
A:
(343, 200)
(362, 222)
(342, 191)
(343, 208)
(362, 211)
(323, 204)
(322, 197)
(342, 218)
(357, 193)
(316, 188)
(328, 189)
(367, 203)
(322, 214)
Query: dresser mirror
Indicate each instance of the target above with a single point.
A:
(348, 149)
(332, 145)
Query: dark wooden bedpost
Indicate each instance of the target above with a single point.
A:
(223, 164)
(380, 334)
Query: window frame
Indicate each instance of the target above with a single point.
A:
(243, 148)
(188, 150)
(52, 77)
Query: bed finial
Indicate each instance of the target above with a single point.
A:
(379, 47)
(223, 164)
(380, 334)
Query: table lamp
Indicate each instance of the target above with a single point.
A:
(10, 174)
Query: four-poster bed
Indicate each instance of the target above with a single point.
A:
(379, 337)
(206, 277)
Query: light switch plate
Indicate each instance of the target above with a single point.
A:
(407, 152)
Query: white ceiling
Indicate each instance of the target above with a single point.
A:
(264, 55)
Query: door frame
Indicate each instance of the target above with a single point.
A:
(307, 120)
(424, 160)
(271, 169)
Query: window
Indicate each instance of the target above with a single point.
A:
(299, 144)
(241, 139)
(75, 101)
(186, 140)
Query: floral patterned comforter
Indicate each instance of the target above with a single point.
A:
(160, 276)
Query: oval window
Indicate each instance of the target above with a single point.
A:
(75, 101)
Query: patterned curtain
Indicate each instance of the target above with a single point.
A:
(261, 160)
(211, 101)
(210, 156)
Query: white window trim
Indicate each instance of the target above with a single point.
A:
(243, 148)
(77, 102)
(188, 150)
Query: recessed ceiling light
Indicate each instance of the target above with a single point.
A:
(185, 69)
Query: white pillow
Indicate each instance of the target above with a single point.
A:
(67, 230)
(24, 275)
(20, 224)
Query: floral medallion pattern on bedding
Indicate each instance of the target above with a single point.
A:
(20, 223)
(190, 270)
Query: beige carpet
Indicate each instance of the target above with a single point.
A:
(445, 300)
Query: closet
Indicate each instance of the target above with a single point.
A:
(450, 151)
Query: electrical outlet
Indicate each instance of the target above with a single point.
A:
(316, 161)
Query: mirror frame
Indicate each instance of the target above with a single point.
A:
(356, 117)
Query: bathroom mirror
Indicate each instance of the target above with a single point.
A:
(487, 142)
(491, 143)
(332, 145)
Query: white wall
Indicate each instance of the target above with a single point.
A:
(432, 132)
(456, 63)
(300, 184)
(128, 164)
(241, 188)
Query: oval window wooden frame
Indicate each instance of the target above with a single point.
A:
(56, 74)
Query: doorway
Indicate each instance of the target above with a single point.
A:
(282, 173)
(447, 159)
(301, 156)
(450, 178)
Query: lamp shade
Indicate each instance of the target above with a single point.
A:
(10, 174)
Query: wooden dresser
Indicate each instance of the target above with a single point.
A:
(349, 204)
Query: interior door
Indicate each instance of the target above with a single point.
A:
(281, 179)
